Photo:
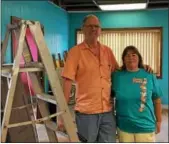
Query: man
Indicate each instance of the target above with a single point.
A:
(90, 65)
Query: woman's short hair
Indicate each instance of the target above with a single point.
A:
(134, 50)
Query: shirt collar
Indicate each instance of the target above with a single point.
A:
(85, 46)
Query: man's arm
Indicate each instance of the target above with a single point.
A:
(68, 75)
(148, 68)
(113, 61)
(67, 85)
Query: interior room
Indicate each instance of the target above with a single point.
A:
(36, 37)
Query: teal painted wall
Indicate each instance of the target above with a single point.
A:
(146, 18)
(54, 19)
(59, 26)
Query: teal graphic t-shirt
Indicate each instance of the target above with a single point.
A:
(134, 93)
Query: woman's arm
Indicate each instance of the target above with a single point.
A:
(158, 113)
(157, 94)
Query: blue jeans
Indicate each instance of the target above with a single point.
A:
(97, 127)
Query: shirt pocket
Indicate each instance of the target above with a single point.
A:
(106, 70)
(106, 65)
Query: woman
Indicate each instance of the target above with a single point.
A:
(138, 104)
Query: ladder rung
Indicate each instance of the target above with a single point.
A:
(47, 98)
(6, 70)
(26, 65)
(7, 75)
(9, 70)
(34, 64)
(35, 121)
(22, 107)
(8, 64)
(30, 69)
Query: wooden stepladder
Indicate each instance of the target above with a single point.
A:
(31, 68)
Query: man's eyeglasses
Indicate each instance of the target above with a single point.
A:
(92, 26)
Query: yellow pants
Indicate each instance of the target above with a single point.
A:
(135, 137)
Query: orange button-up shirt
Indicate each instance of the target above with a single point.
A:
(92, 77)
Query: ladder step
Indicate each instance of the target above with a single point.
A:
(24, 65)
(9, 70)
(30, 69)
(22, 107)
(47, 98)
(34, 64)
(7, 75)
(7, 64)
(35, 121)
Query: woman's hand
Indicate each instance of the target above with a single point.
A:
(158, 127)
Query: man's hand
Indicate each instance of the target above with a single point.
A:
(60, 124)
(158, 127)
(148, 68)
